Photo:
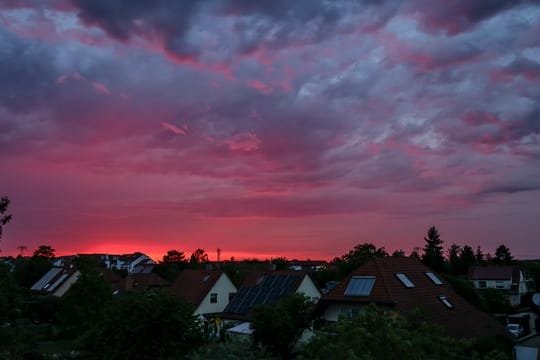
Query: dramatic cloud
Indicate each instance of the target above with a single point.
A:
(287, 128)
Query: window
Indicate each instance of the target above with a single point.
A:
(499, 284)
(205, 278)
(482, 284)
(231, 296)
(404, 280)
(434, 278)
(446, 302)
(360, 286)
(213, 298)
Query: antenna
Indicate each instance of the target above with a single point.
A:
(22, 249)
(218, 254)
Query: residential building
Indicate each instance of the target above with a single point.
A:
(508, 279)
(208, 290)
(404, 285)
(57, 281)
(267, 289)
(307, 265)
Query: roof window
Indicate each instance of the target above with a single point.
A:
(434, 278)
(360, 286)
(404, 280)
(446, 302)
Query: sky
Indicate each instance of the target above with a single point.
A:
(269, 128)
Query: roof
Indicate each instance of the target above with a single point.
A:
(308, 263)
(494, 273)
(193, 285)
(140, 282)
(268, 290)
(53, 279)
(460, 319)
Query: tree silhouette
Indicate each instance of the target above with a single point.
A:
(4, 219)
(433, 250)
(479, 256)
(466, 259)
(44, 251)
(198, 257)
(503, 255)
(174, 257)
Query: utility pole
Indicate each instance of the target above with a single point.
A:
(22, 249)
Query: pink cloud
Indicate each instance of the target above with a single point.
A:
(73, 76)
(99, 87)
(260, 86)
(245, 142)
(175, 129)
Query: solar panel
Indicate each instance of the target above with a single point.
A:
(360, 286)
(434, 278)
(46, 278)
(404, 280)
(57, 282)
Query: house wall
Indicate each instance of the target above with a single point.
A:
(526, 353)
(62, 289)
(308, 288)
(222, 288)
(522, 284)
(494, 284)
(334, 311)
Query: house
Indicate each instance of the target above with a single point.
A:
(141, 282)
(508, 279)
(307, 265)
(267, 289)
(126, 262)
(528, 349)
(403, 285)
(208, 290)
(57, 281)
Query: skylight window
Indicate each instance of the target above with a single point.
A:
(434, 278)
(360, 286)
(405, 280)
(446, 302)
(205, 278)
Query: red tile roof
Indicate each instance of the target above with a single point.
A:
(494, 273)
(462, 320)
(193, 285)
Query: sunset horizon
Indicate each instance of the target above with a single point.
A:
(268, 129)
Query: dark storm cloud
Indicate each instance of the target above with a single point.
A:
(26, 70)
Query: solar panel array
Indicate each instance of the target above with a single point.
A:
(268, 292)
(360, 286)
(46, 278)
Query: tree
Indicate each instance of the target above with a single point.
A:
(83, 303)
(376, 334)
(281, 263)
(198, 257)
(174, 257)
(144, 326)
(279, 327)
(398, 253)
(503, 255)
(357, 257)
(433, 250)
(4, 219)
(466, 259)
(479, 256)
(44, 251)
(453, 258)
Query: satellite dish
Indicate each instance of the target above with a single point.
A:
(536, 299)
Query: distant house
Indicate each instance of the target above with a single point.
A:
(57, 281)
(267, 289)
(307, 265)
(208, 290)
(509, 279)
(141, 282)
(402, 285)
(126, 262)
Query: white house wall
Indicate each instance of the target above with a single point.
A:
(223, 287)
(308, 288)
